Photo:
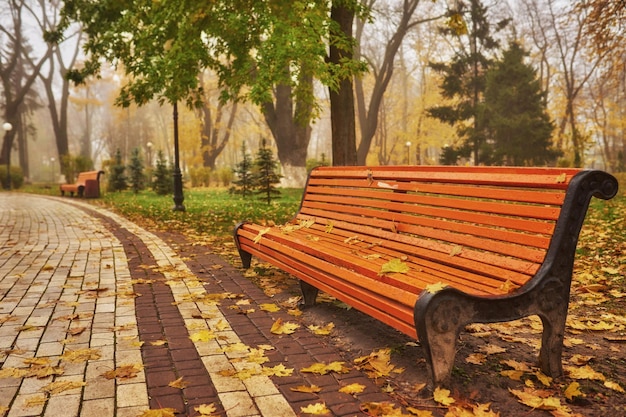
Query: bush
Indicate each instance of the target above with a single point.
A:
(163, 182)
(17, 176)
(200, 177)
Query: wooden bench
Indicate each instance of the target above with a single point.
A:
(86, 185)
(461, 244)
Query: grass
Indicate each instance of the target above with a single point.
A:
(208, 211)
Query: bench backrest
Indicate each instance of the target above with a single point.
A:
(486, 229)
(87, 175)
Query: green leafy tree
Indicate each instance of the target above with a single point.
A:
(464, 79)
(162, 183)
(256, 47)
(244, 184)
(136, 175)
(520, 129)
(266, 173)
(117, 177)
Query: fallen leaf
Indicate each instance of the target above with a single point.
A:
(258, 237)
(279, 327)
(394, 265)
(322, 330)
(352, 389)
(316, 409)
(573, 390)
(80, 355)
(161, 412)
(614, 386)
(124, 372)
(272, 308)
(178, 383)
(306, 388)
(442, 396)
(323, 369)
(206, 410)
(61, 386)
(435, 288)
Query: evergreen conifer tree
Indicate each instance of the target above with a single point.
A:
(117, 177)
(136, 174)
(515, 111)
(266, 173)
(464, 80)
(163, 183)
(244, 184)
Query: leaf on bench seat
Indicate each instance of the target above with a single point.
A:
(352, 240)
(258, 237)
(329, 227)
(394, 265)
(436, 287)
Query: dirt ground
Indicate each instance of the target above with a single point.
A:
(488, 355)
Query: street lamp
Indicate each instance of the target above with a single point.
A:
(53, 169)
(7, 127)
(149, 146)
(178, 176)
(408, 153)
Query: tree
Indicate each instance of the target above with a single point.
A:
(464, 77)
(244, 184)
(135, 168)
(368, 116)
(253, 46)
(117, 177)
(515, 113)
(162, 183)
(265, 174)
(19, 69)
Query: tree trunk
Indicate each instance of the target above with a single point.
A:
(291, 132)
(342, 99)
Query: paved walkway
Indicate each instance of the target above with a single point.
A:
(99, 317)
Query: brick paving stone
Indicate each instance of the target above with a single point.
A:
(73, 273)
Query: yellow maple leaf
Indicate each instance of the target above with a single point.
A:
(258, 237)
(442, 396)
(206, 410)
(202, 336)
(491, 349)
(316, 409)
(530, 398)
(160, 412)
(312, 389)
(61, 386)
(329, 227)
(352, 389)
(395, 265)
(476, 359)
(278, 370)
(178, 383)
(280, 327)
(158, 342)
(456, 250)
(513, 374)
(322, 330)
(80, 355)
(323, 369)
(561, 178)
(436, 287)
(419, 413)
(573, 390)
(543, 378)
(271, 307)
(376, 364)
(124, 372)
(614, 386)
(584, 372)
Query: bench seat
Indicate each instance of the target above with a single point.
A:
(84, 181)
(460, 245)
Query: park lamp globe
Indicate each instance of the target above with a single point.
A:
(7, 126)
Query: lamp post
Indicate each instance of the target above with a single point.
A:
(149, 146)
(408, 153)
(178, 176)
(7, 127)
(52, 160)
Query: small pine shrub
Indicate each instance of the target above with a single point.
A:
(266, 173)
(162, 183)
(244, 184)
(137, 176)
(117, 176)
